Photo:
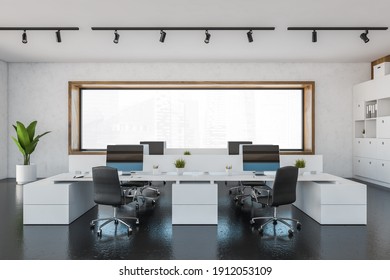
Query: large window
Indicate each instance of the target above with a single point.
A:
(189, 115)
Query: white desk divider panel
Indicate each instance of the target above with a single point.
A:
(204, 162)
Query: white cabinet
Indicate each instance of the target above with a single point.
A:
(194, 204)
(383, 151)
(383, 127)
(365, 147)
(371, 145)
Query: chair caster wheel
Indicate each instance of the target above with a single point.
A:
(236, 199)
(252, 222)
(137, 222)
(290, 233)
(261, 231)
(275, 222)
(158, 193)
(91, 226)
(230, 191)
(299, 226)
(99, 233)
(129, 231)
(153, 202)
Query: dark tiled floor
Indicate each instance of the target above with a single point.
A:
(155, 238)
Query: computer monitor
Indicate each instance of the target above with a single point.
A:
(125, 158)
(234, 146)
(155, 147)
(260, 158)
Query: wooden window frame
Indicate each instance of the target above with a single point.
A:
(75, 87)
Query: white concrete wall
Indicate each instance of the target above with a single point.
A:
(41, 90)
(3, 119)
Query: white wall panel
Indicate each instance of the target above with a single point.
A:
(3, 119)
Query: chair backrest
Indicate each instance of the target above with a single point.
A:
(285, 184)
(155, 147)
(106, 185)
(234, 146)
(125, 158)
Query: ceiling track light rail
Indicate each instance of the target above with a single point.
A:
(179, 28)
(164, 29)
(314, 30)
(25, 29)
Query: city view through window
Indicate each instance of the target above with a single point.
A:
(191, 118)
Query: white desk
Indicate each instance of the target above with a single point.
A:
(326, 198)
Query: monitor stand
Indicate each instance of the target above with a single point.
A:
(259, 173)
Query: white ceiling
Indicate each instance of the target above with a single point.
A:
(188, 46)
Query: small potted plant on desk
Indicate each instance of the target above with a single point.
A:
(300, 164)
(155, 169)
(179, 164)
(26, 141)
(228, 169)
(187, 153)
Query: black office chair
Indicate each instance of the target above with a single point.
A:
(129, 157)
(258, 155)
(234, 149)
(282, 193)
(108, 191)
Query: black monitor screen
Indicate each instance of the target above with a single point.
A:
(125, 158)
(260, 158)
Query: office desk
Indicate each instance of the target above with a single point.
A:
(326, 198)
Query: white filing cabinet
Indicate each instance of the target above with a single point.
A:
(195, 203)
(371, 149)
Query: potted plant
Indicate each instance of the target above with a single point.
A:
(300, 164)
(228, 169)
(179, 164)
(187, 153)
(26, 141)
(155, 169)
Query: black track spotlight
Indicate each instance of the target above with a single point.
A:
(314, 36)
(116, 37)
(364, 37)
(162, 36)
(207, 39)
(249, 35)
(58, 35)
(24, 37)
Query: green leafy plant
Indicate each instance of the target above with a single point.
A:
(26, 140)
(187, 153)
(300, 163)
(180, 163)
